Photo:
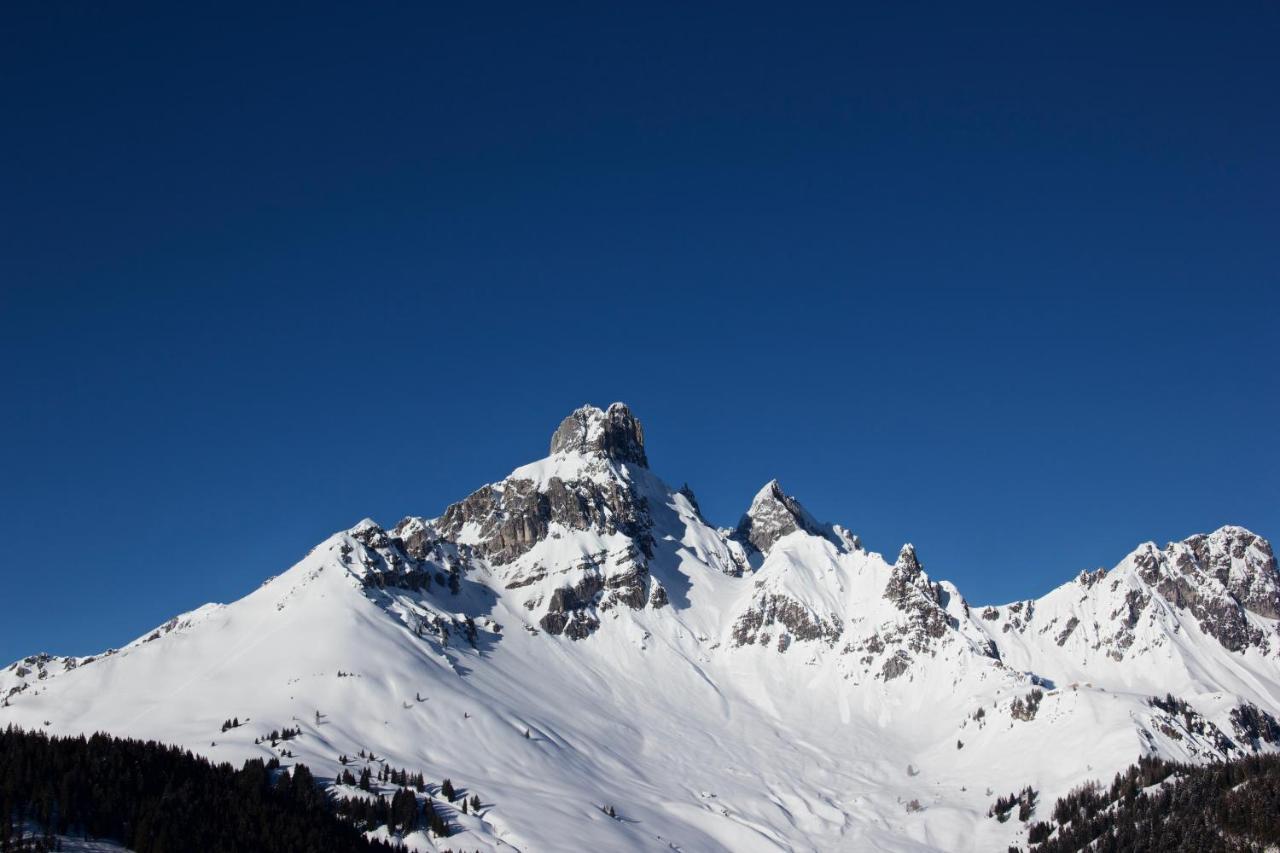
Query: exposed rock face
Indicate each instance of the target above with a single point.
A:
(1067, 631)
(1178, 720)
(895, 665)
(505, 521)
(693, 500)
(914, 626)
(411, 557)
(512, 517)
(919, 599)
(1244, 563)
(790, 618)
(628, 583)
(774, 514)
(591, 483)
(1218, 578)
(1089, 579)
(568, 608)
(1225, 582)
(613, 433)
(603, 581)
(418, 538)
(1125, 619)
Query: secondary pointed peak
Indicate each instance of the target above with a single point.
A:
(774, 514)
(770, 491)
(907, 555)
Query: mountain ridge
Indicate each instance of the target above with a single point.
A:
(584, 575)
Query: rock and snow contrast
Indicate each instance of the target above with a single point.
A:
(606, 670)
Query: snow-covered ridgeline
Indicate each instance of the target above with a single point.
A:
(577, 636)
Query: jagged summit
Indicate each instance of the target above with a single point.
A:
(613, 433)
(773, 515)
(908, 559)
(1244, 562)
(581, 624)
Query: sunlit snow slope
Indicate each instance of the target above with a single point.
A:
(578, 636)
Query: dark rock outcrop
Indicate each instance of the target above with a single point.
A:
(614, 433)
(919, 599)
(787, 614)
(514, 516)
(604, 581)
(1219, 578)
(1244, 563)
(773, 515)
(409, 557)
(895, 665)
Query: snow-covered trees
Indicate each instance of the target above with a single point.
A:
(1025, 709)
(151, 797)
(1160, 805)
(1025, 800)
(404, 811)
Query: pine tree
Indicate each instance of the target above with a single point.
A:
(150, 798)
(434, 821)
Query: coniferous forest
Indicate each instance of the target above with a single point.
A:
(161, 799)
(1158, 806)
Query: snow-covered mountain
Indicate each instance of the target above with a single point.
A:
(578, 636)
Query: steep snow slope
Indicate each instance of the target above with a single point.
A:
(578, 636)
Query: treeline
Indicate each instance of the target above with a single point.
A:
(1227, 807)
(400, 815)
(155, 798)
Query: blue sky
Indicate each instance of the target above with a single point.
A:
(1003, 284)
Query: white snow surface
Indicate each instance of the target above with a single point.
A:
(699, 742)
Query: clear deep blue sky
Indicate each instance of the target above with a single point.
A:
(998, 280)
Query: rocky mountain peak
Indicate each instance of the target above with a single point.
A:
(1243, 563)
(1232, 543)
(613, 433)
(1225, 580)
(774, 514)
(907, 560)
(907, 575)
